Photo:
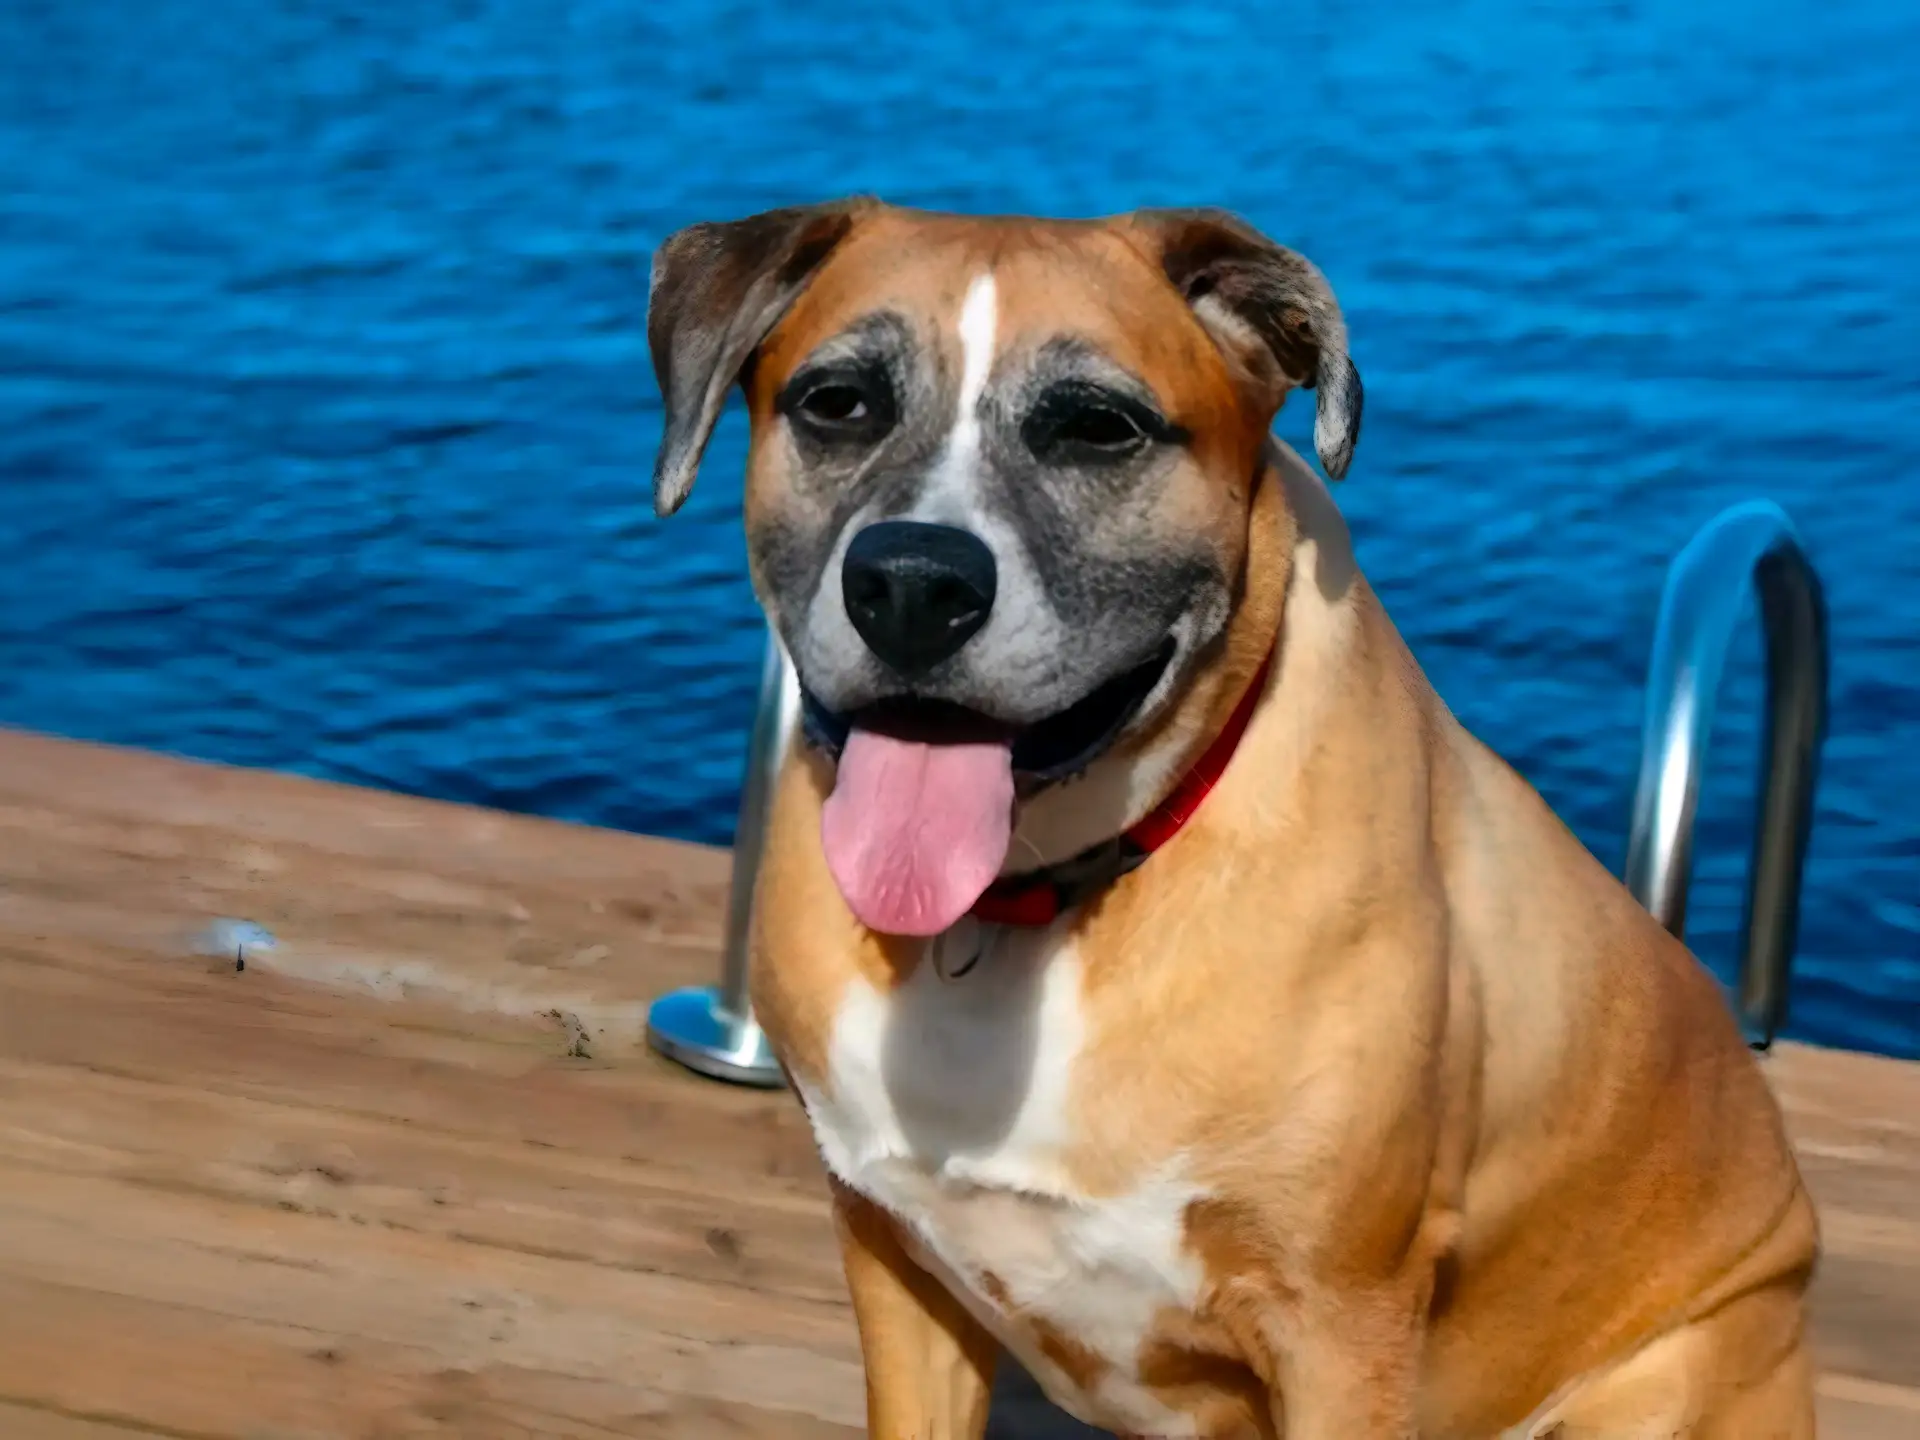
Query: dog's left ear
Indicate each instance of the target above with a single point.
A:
(1269, 308)
(718, 289)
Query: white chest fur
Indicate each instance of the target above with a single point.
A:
(950, 1103)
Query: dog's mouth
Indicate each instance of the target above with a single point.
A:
(922, 811)
(920, 820)
(1057, 748)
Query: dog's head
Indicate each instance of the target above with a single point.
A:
(998, 488)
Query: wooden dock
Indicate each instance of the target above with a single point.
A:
(412, 1173)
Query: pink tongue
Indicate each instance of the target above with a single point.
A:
(914, 833)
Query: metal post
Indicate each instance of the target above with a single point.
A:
(1751, 546)
(708, 1029)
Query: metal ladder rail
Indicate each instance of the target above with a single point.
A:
(1751, 547)
(707, 1028)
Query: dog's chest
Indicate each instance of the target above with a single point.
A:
(951, 1104)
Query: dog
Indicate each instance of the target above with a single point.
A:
(1181, 999)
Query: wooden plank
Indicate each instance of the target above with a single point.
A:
(1862, 1410)
(263, 1037)
(1855, 1120)
(169, 1138)
(156, 1368)
(20, 1423)
(1840, 1420)
(76, 779)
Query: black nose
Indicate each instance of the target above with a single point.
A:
(916, 593)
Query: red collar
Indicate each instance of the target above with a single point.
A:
(1039, 897)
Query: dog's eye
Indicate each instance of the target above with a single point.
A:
(840, 406)
(1099, 427)
(1081, 425)
(835, 404)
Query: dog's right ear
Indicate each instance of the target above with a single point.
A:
(717, 290)
(1271, 308)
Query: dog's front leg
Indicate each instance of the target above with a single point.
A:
(929, 1363)
(1349, 1369)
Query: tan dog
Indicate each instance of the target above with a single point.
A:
(1357, 1100)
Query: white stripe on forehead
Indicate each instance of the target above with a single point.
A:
(979, 315)
(949, 487)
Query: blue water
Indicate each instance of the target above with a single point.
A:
(325, 415)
